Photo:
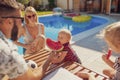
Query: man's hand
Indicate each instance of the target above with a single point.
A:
(57, 57)
(52, 56)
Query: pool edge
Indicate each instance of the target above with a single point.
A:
(92, 31)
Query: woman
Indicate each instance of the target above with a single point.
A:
(33, 32)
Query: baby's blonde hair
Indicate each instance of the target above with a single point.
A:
(112, 33)
(67, 33)
(30, 9)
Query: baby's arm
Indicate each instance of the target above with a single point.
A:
(108, 61)
(59, 57)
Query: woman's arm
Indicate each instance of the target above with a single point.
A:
(22, 32)
(26, 46)
(42, 27)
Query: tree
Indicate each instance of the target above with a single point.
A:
(51, 4)
(23, 1)
(36, 4)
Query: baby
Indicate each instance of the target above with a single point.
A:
(67, 53)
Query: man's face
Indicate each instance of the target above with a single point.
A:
(11, 25)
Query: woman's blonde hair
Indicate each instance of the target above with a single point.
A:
(67, 33)
(30, 9)
(112, 33)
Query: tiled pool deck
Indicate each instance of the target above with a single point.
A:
(91, 48)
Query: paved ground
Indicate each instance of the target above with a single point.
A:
(91, 48)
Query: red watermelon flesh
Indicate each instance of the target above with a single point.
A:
(54, 45)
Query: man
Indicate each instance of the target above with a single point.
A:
(11, 63)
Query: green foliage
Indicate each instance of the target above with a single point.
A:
(51, 4)
(41, 13)
(51, 1)
(44, 12)
(23, 1)
(36, 4)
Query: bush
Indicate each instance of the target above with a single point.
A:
(51, 4)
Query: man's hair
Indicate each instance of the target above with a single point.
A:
(10, 4)
(8, 7)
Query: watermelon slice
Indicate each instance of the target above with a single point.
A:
(54, 45)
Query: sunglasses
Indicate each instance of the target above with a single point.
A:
(31, 16)
(22, 19)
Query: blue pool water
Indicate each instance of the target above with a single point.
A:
(54, 23)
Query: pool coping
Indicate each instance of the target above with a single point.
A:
(92, 31)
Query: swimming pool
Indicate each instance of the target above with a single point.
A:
(54, 23)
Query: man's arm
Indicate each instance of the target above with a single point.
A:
(38, 73)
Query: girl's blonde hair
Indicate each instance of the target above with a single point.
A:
(112, 33)
(67, 33)
(30, 9)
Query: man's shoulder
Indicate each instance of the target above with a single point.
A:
(7, 44)
(2, 36)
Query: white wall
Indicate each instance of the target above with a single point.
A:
(44, 2)
(70, 4)
(62, 4)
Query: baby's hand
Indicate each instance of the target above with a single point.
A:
(104, 57)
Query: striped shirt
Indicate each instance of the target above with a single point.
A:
(117, 68)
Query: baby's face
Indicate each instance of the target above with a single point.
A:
(62, 38)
